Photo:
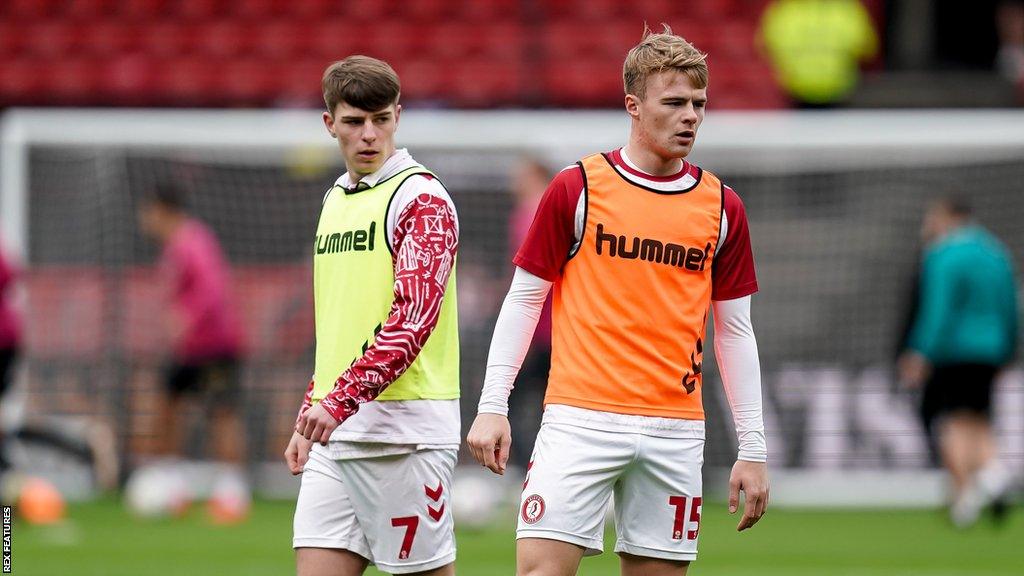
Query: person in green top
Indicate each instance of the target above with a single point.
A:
(963, 333)
(816, 47)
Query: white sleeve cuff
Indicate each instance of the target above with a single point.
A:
(513, 333)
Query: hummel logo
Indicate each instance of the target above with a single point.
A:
(677, 255)
(435, 493)
(436, 514)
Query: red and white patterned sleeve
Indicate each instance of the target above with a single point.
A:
(553, 233)
(732, 274)
(425, 244)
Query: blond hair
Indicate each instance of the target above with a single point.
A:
(360, 81)
(658, 52)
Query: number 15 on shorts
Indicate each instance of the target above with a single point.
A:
(685, 508)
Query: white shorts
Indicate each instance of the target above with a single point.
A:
(393, 510)
(656, 481)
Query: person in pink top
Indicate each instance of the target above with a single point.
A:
(10, 331)
(204, 330)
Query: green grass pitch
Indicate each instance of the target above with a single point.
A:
(101, 539)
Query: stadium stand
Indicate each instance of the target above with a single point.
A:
(450, 53)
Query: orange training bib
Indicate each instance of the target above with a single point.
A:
(631, 306)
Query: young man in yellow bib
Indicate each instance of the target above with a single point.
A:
(377, 435)
(638, 245)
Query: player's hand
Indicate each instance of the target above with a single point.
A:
(490, 439)
(752, 479)
(297, 453)
(316, 425)
(913, 369)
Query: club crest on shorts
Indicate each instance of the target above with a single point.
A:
(533, 509)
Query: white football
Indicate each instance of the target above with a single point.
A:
(157, 492)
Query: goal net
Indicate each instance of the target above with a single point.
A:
(834, 200)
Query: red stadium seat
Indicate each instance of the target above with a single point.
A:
(465, 52)
(325, 47)
(430, 10)
(186, 80)
(127, 78)
(492, 10)
(590, 10)
(735, 41)
(425, 79)
(249, 82)
(168, 39)
(224, 39)
(23, 10)
(392, 41)
(499, 41)
(20, 82)
(282, 39)
(90, 9)
(376, 11)
(53, 39)
(261, 11)
(71, 80)
(312, 9)
(144, 9)
(583, 82)
(486, 83)
(111, 38)
(202, 9)
(14, 40)
(299, 84)
(612, 41)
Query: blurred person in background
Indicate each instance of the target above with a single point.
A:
(206, 338)
(1010, 58)
(378, 432)
(964, 332)
(816, 47)
(10, 336)
(632, 291)
(529, 180)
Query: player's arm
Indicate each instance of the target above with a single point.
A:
(935, 306)
(297, 452)
(418, 294)
(736, 352)
(539, 262)
(490, 437)
(733, 283)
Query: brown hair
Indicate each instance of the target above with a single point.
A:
(659, 52)
(366, 83)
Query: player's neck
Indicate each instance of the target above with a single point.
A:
(649, 162)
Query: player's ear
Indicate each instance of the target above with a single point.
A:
(633, 106)
(329, 122)
(398, 112)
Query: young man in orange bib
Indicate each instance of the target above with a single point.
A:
(638, 246)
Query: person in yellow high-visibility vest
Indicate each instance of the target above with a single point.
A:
(816, 47)
(377, 436)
